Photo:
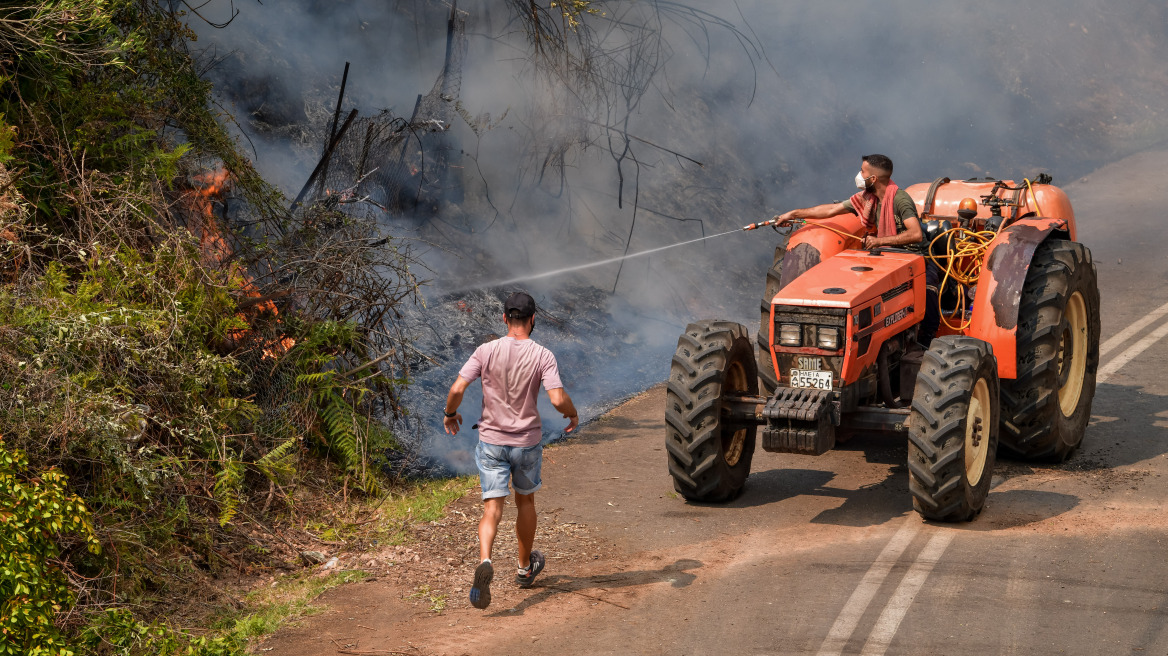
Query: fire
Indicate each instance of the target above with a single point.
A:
(202, 222)
(215, 251)
(214, 182)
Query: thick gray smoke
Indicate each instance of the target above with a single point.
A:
(776, 101)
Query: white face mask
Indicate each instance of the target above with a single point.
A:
(860, 181)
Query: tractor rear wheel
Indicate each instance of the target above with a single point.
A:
(766, 366)
(1045, 409)
(709, 459)
(953, 429)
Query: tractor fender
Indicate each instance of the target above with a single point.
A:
(999, 288)
(813, 243)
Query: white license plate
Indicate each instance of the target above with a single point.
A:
(811, 379)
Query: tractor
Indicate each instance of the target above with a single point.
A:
(1013, 365)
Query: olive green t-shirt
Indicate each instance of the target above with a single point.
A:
(903, 208)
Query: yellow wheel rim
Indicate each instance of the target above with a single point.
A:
(977, 432)
(1072, 355)
(733, 443)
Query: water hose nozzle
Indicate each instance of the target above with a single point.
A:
(762, 224)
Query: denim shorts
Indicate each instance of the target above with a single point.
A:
(500, 464)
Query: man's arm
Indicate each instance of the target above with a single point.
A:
(453, 400)
(824, 211)
(911, 235)
(563, 404)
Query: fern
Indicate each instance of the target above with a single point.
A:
(335, 398)
(105, 501)
(228, 487)
(275, 464)
(342, 429)
(342, 425)
(237, 412)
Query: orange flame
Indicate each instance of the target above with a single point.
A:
(216, 251)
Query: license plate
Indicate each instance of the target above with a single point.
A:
(811, 379)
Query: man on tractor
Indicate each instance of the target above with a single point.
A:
(889, 212)
(836, 353)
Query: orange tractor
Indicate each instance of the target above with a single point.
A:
(1013, 364)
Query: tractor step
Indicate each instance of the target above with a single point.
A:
(799, 421)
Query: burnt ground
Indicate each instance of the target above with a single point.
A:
(1065, 559)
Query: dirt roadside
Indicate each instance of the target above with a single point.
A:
(415, 599)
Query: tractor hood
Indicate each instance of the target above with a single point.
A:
(851, 279)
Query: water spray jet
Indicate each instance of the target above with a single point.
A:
(611, 260)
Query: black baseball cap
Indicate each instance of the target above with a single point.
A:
(519, 306)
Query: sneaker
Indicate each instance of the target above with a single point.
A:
(480, 592)
(534, 568)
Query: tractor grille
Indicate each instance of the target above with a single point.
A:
(804, 314)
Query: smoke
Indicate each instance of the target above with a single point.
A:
(697, 118)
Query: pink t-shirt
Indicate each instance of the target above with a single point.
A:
(512, 370)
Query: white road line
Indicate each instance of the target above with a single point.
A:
(1130, 354)
(854, 609)
(1125, 334)
(896, 608)
(894, 612)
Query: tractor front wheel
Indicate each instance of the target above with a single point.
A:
(709, 459)
(953, 429)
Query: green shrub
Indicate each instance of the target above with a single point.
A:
(132, 368)
(36, 513)
(117, 631)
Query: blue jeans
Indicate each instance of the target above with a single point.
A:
(500, 464)
(932, 319)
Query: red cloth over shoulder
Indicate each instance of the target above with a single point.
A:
(863, 201)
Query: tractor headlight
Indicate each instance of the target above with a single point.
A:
(790, 334)
(828, 337)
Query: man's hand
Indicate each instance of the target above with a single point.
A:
(782, 220)
(563, 403)
(453, 400)
(452, 424)
(872, 241)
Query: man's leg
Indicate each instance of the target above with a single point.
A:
(480, 590)
(932, 319)
(525, 527)
(525, 478)
(493, 474)
(489, 525)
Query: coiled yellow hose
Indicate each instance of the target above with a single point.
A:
(962, 264)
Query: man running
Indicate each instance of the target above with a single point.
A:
(509, 448)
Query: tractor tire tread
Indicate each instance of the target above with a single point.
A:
(950, 370)
(705, 353)
(1034, 427)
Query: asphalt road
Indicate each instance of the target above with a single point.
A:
(824, 555)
